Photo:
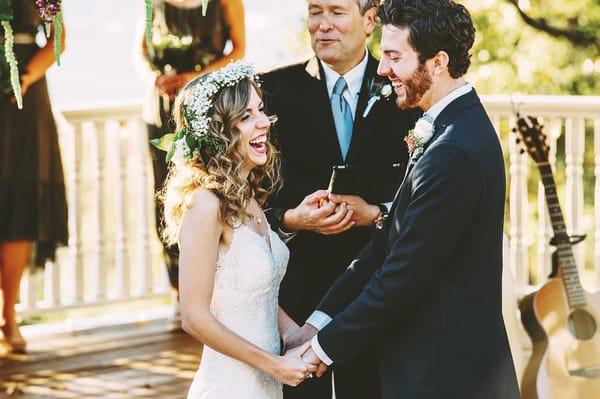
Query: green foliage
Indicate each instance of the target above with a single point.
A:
(5, 10)
(510, 56)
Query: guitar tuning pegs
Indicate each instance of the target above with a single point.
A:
(514, 129)
(521, 151)
(518, 140)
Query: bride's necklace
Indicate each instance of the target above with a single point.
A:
(257, 217)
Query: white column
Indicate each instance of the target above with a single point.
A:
(75, 215)
(518, 211)
(145, 197)
(52, 276)
(121, 216)
(575, 143)
(27, 291)
(100, 259)
(597, 196)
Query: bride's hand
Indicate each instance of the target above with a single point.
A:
(291, 369)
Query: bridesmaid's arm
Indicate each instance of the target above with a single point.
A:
(42, 60)
(200, 234)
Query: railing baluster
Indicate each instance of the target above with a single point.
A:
(27, 292)
(100, 248)
(574, 148)
(121, 212)
(75, 215)
(496, 120)
(518, 212)
(597, 197)
(52, 296)
(146, 195)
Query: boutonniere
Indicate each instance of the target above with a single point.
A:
(377, 89)
(418, 137)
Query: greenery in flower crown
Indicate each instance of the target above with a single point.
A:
(194, 139)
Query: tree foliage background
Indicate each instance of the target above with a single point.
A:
(561, 55)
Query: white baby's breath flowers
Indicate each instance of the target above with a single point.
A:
(201, 100)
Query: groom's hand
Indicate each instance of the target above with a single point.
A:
(300, 336)
(316, 213)
(311, 357)
(364, 214)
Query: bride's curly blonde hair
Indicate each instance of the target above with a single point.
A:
(220, 171)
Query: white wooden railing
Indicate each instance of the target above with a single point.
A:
(570, 122)
(113, 253)
(114, 256)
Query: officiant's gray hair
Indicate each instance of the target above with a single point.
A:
(366, 5)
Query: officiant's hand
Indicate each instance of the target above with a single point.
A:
(300, 336)
(316, 213)
(364, 214)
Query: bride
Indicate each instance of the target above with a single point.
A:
(231, 262)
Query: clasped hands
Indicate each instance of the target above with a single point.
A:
(326, 213)
(300, 339)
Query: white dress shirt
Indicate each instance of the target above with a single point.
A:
(320, 319)
(354, 79)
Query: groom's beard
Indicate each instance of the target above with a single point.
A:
(415, 87)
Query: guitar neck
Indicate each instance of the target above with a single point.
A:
(566, 259)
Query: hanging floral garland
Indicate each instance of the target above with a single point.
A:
(51, 14)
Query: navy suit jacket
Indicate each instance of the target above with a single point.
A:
(427, 288)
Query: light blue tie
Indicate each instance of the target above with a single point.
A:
(342, 115)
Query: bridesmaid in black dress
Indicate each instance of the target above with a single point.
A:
(33, 209)
(186, 44)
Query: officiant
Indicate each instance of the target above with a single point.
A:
(332, 109)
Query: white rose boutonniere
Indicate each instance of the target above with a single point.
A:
(377, 89)
(418, 137)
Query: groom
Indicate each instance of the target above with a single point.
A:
(427, 288)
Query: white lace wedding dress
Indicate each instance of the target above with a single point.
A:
(245, 300)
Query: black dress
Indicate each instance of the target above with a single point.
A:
(184, 41)
(32, 191)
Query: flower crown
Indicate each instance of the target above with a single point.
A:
(194, 137)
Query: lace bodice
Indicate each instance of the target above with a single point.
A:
(245, 300)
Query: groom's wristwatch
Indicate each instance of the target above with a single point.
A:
(383, 215)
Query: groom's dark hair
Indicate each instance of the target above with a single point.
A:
(434, 25)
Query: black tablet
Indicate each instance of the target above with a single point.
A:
(374, 183)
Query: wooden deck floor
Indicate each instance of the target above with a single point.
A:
(135, 361)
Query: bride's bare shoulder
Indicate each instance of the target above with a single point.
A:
(202, 204)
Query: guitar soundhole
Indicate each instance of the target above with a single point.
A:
(582, 325)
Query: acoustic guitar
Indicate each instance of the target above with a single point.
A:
(561, 318)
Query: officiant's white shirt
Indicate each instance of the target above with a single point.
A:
(320, 319)
(354, 80)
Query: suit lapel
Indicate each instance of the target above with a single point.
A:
(317, 98)
(440, 124)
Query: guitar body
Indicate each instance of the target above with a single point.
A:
(565, 362)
